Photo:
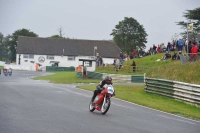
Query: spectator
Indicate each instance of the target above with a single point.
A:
(158, 49)
(199, 46)
(151, 50)
(194, 51)
(121, 64)
(121, 55)
(180, 45)
(134, 53)
(166, 56)
(100, 61)
(134, 66)
(116, 64)
(163, 47)
(97, 62)
(168, 47)
(188, 49)
(138, 51)
(176, 56)
(154, 49)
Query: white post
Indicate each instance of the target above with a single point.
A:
(144, 77)
(187, 39)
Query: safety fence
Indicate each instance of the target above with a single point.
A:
(53, 68)
(115, 77)
(189, 93)
(188, 57)
(125, 68)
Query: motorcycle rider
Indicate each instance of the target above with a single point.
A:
(99, 88)
(10, 71)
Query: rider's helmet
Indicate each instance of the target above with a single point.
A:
(108, 79)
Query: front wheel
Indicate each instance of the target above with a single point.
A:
(91, 106)
(105, 107)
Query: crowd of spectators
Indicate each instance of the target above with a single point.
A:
(172, 50)
(178, 47)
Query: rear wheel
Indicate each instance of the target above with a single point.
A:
(105, 107)
(91, 106)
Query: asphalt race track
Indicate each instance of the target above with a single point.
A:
(31, 106)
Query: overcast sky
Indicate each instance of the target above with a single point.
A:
(94, 19)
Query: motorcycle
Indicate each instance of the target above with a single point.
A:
(9, 73)
(5, 72)
(102, 101)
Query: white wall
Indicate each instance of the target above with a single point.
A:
(64, 62)
(108, 60)
(2, 63)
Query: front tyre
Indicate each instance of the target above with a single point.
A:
(105, 107)
(91, 106)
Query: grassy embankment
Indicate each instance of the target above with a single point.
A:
(172, 70)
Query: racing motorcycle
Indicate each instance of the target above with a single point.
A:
(9, 73)
(102, 101)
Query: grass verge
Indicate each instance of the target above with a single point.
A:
(65, 78)
(1, 67)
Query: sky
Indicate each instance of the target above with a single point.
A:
(94, 19)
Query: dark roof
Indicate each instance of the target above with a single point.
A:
(72, 47)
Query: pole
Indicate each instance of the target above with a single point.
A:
(94, 51)
(187, 39)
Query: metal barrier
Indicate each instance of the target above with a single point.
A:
(53, 68)
(189, 93)
(188, 57)
(125, 68)
(94, 75)
(117, 78)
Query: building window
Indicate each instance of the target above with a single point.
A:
(88, 63)
(71, 57)
(50, 57)
(25, 56)
(31, 56)
(28, 56)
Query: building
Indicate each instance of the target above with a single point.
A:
(64, 52)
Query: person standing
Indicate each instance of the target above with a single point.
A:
(194, 51)
(121, 55)
(134, 66)
(116, 64)
(154, 49)
(168, 47)
(180, 45)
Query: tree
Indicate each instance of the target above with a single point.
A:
(11, 41)
(3, 48)
(128, 34)
(55, 36)
(192, 16)
(60, 34)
